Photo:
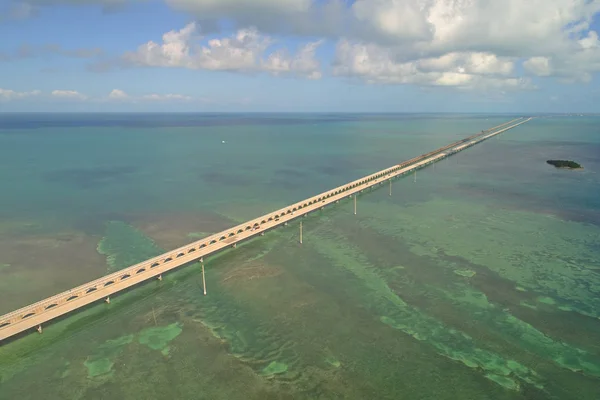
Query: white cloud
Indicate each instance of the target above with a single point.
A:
(173, 52)
(243, 52)
(117, 94)
(446, 25)
(68, 94)
(578, 65)
(120, 95)
(456, 43)
(181, 49)
(166, 97)
(479, 63)
(8, 94)
(510, 27)
(375, 64)
(489, 37)
(303, 64)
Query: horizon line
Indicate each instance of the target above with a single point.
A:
(305, 112)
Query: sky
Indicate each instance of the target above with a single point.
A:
(525, 56)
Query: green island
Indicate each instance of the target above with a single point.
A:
(564, 164)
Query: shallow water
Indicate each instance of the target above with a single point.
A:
(479, 280)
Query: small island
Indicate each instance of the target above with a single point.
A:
(564, 164)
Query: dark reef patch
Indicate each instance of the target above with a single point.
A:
(86, 178)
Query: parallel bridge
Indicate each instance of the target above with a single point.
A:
(34, 315)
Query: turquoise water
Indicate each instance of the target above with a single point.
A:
(481, 280)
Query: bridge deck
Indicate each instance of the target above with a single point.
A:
(45, 310)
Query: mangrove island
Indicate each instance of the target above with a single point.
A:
(564, 164)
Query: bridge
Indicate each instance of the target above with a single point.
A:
(34, 315)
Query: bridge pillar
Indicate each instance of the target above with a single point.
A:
(203, 278)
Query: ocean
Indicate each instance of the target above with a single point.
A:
(478, 278)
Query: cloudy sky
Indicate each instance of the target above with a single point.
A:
(300, 55)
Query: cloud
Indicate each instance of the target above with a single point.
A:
(376, 65)
(479, 63)
(29, 8)
(117, 94)
(454, 25)
(120, 95)
(267, 15)
(68, 94)
(181, 49)
(507, 28)
(539, 66)
(548, 36)
(328, 19)
(166, 97)
(303, 64)
(453, 43)
(582, 62)
(8, 94)
(243, 51)
(392, 21)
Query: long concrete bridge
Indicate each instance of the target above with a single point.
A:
(34, 315)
